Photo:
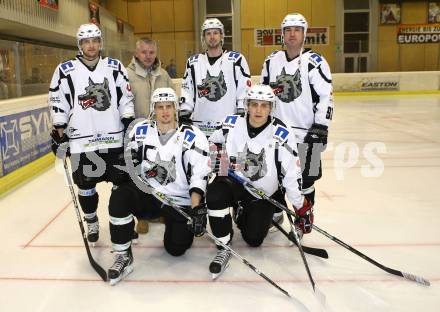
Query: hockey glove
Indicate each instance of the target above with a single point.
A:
(317, 134)
(185, 118)
(198, 216)
(305, 217)
(60, 144)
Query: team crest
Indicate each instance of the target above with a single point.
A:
(97, 96)
(213, 87)
(162, 171)
(287, 87)
(253, 166)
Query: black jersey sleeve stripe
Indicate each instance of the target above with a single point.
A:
(235, 74)
(122, 73)
(115, 75)
(188, 171)
(242, 69)
(199, 150)
(193, 78)
(323, 76)
(61, 75)
(118, 95)
(315, 96)
(266, 78)
(71, 101)
(289, 149)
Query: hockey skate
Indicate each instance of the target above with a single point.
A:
(220, 262)
(278, 217)
(122, 266)
(92, 230)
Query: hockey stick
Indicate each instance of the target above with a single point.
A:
(101, 272)
(408, 276)
(261, 194)
(170, 202)
(318, 252)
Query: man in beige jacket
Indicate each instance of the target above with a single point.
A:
(146, 75)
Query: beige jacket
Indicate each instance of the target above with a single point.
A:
(143, 84)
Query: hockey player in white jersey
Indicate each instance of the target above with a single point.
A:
(215, 82)
(301, 80)
(174, 161)
(91, 106)
(263, 151)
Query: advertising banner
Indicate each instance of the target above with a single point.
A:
(418, 33)
(24, 137)
(272, 36)
(362, 84)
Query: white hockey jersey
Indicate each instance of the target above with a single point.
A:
(91, 103)
(255, 159)
(177, 167)
(211, 92)
(304, 95)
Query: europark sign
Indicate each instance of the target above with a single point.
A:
(418, 33)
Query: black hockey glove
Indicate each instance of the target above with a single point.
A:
(198, 216)
(317, 134)
(60, 144)
(185, 118)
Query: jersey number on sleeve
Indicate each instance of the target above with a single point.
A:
(329, 114)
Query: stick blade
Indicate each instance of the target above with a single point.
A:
(101, 272)
(318, 252)
(417, 279)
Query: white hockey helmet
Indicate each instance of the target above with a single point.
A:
(86, 31)
(212, 23)
(261, 92)
(294, 19)
(163, 95)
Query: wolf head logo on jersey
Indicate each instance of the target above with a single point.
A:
(253, 166)
(287, 87)
(213, 87)
(162, 171)
(97, 96)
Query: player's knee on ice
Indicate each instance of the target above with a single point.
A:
(255, 222)
(177, 237)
